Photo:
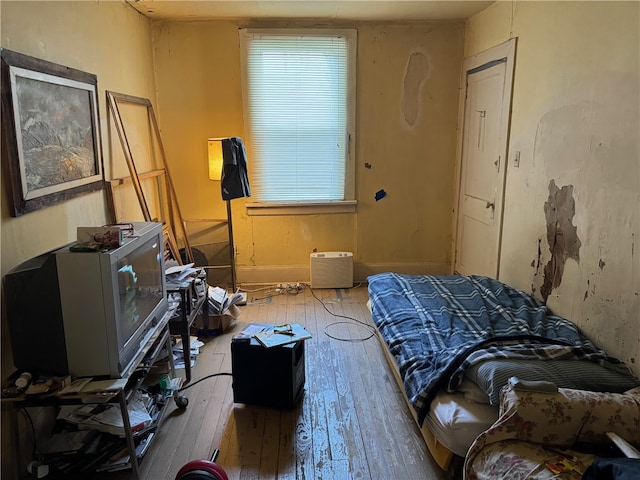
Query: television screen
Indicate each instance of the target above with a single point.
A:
(139, 284)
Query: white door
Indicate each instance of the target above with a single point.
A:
(483, 160)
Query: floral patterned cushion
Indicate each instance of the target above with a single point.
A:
(571, 416)
(557, 420)
(618, 413)
(514, 460)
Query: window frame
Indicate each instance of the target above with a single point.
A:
(348, 204)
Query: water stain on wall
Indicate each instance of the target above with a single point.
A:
(562, 235)
(417, 71)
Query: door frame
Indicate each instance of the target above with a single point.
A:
(503, 52)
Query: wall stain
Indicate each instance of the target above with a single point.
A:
(601, 264)
(586, 292)
(562, 235)
(535, 263)
(417, 71)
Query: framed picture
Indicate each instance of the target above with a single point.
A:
(51, 135)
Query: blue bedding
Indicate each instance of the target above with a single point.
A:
(438, 326)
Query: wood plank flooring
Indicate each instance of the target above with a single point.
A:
(352, 422)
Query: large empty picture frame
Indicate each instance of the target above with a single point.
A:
(163, 191)
(51, 134)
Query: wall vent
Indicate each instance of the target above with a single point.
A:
(332, 270)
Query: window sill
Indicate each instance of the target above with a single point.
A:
(300, 208)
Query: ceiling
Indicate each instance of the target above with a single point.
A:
(354, 10)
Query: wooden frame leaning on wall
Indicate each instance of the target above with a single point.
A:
(168, 211)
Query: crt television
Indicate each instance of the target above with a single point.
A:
(87, 313)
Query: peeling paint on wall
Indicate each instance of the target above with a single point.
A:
(562, 235)
(537, 262)
(417, 71)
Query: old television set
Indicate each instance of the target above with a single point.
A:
(87, 313)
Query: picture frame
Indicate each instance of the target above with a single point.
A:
(51, 145)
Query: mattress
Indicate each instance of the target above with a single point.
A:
(438, 327)
(436, 330)
(456, 421)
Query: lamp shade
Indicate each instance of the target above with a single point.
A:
(214, 151)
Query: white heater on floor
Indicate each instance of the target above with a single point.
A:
(332, 270)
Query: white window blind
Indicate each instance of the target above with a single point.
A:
(297, 103)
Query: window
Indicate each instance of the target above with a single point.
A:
(299, 106)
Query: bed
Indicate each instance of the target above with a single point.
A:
(454, 341)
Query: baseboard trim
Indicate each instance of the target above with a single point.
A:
(266, 275)
(418, 268)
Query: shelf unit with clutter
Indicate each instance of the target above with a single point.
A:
(113, 422)
(187, 291)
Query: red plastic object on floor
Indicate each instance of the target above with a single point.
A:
(202, 470)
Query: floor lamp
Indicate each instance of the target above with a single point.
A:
(216, 162)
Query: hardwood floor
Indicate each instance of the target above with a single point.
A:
(352, 422)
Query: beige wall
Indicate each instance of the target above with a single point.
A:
(108, 39)
(411, 154)
(575, 121)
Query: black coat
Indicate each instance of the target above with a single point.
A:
(235, 178)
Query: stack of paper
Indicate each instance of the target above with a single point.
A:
(178, 352)
(106, 418)
(88, 387)
(276, 335)
(177, 276)
(220, 300)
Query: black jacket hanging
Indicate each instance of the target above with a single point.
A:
(235, 178)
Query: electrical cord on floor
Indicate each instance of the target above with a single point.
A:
(253, 290)
(279, 289)
(352, 320)
(203, 378)
(267, 288)
(182, 401)
(295, 289)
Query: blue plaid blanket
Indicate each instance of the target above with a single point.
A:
(437, 326)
